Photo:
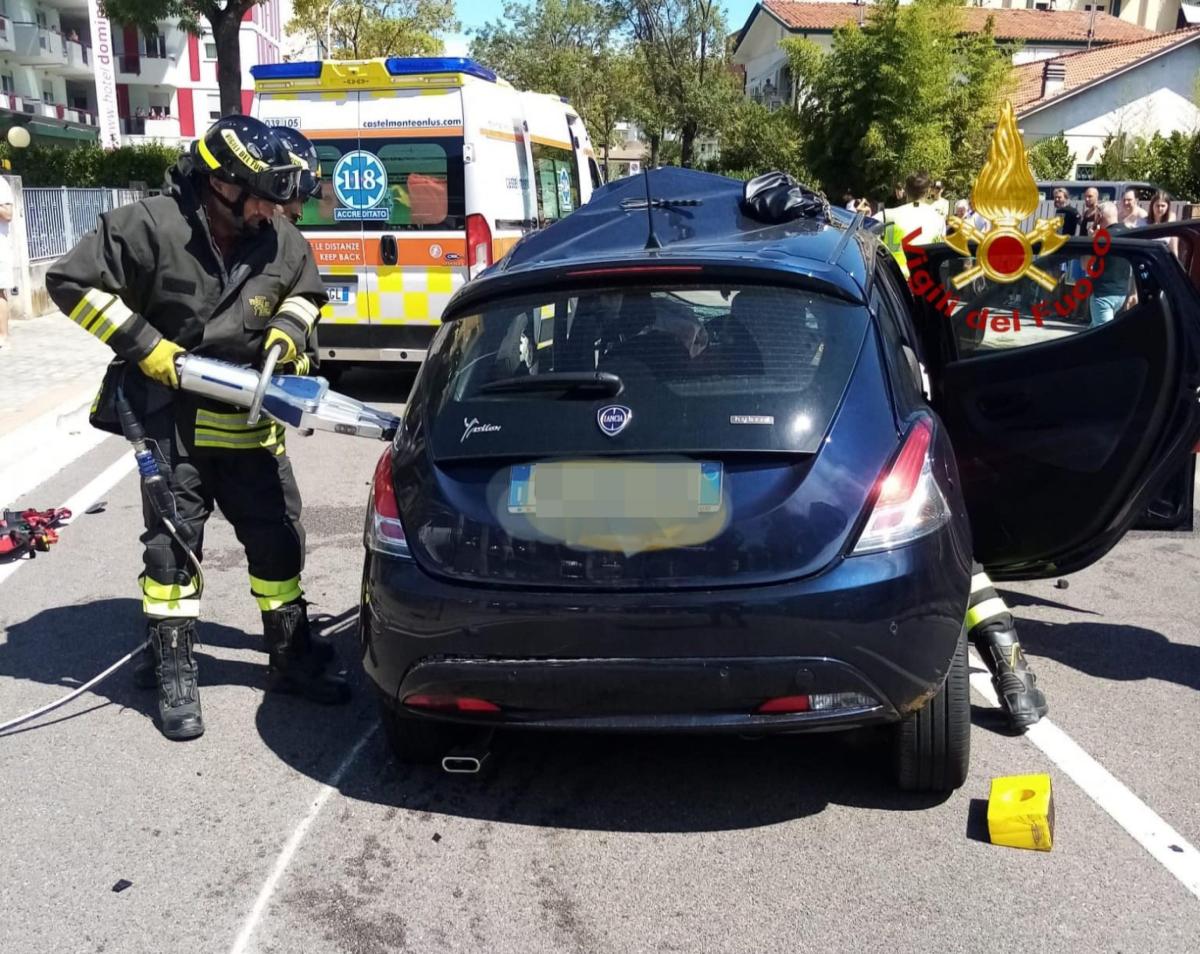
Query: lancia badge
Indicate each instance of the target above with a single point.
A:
(613, 418)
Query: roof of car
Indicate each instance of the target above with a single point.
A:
(702, 224)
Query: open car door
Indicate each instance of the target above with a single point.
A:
(1071, 407)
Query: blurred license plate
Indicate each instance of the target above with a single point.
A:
(338, 294)
(607, 489)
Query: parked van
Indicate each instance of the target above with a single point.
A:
(432, 169)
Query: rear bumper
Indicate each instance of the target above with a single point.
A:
(660, 695)
(370, 342)
(885, 625)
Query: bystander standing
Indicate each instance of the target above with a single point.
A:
(1132, 215)
(1160, 213)
(1111, 288)
(1091, 211)
(1066, 212)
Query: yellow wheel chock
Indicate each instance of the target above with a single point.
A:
(1020, 812)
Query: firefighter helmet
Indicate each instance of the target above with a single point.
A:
(245, 152)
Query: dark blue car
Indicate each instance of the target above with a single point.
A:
(670, 466)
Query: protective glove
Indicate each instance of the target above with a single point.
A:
(159, 364)
(277, 337)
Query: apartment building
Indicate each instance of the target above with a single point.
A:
(46, 79)
(165, 81)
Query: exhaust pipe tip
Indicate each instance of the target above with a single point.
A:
(462, 764)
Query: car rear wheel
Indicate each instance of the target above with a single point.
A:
(933, 745)
(414, 740)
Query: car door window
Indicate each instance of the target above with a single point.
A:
(898, 345)
(1079, 293)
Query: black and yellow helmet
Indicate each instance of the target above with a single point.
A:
(245, 152)
(301, 148)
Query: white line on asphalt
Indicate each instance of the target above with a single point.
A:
(1142, 823)
(87, 495)
(240, 945)
(41, 448)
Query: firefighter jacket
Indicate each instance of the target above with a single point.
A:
(151, 270)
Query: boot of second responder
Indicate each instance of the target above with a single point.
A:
(990, 627)
(179, 713)
(300, 663)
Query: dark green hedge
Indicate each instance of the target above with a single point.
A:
(89, 166)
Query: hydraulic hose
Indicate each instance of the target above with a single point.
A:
(158, 492)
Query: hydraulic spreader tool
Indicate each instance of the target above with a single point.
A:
(304, 403)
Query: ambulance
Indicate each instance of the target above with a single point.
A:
(432, 169)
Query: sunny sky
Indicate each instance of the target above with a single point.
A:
(473, 13)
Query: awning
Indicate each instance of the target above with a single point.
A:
(41, 128)
(49, 129)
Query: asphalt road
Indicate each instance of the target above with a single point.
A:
(238, 841)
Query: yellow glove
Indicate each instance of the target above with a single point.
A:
(277, 337)
(159, 364)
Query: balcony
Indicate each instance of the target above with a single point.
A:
(36, 46)
(145, 129)
(140, 69)
(76, 62)
(7, 41)
(12, 102)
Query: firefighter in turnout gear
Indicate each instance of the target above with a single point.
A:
(990, 628)
(209, 268)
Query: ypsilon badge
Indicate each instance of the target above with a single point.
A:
(613, 418)
(473, 426)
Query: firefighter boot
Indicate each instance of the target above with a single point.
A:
(144, 675)
(178, 678)
(300, 663)
(1016, 685)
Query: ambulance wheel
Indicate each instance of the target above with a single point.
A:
(933, 744)
(418, 741)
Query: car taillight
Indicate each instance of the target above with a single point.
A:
(479, 245)
(384, 531)
(910, 503)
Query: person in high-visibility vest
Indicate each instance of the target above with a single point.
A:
(914, 214)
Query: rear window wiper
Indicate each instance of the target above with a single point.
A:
(591, 382)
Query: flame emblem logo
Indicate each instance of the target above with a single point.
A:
(1005, 193)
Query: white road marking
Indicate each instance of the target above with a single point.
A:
(1164, 843)
(241, 944)
(38, 450)
(87, 495)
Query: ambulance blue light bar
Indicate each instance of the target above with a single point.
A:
(279, 71)
(412, 65)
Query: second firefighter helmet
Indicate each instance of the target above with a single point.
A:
(303, 149)
(245, 152)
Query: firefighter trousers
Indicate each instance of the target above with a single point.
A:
(256, 492)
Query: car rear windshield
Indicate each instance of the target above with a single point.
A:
(695, 370)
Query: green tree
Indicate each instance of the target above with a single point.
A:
(1051, 158)
(367, 28)
(225, 20)
(1171, 163)
(682, 49)
(1120, 156)
(755, 140)
(564, 47)
(906, 91)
